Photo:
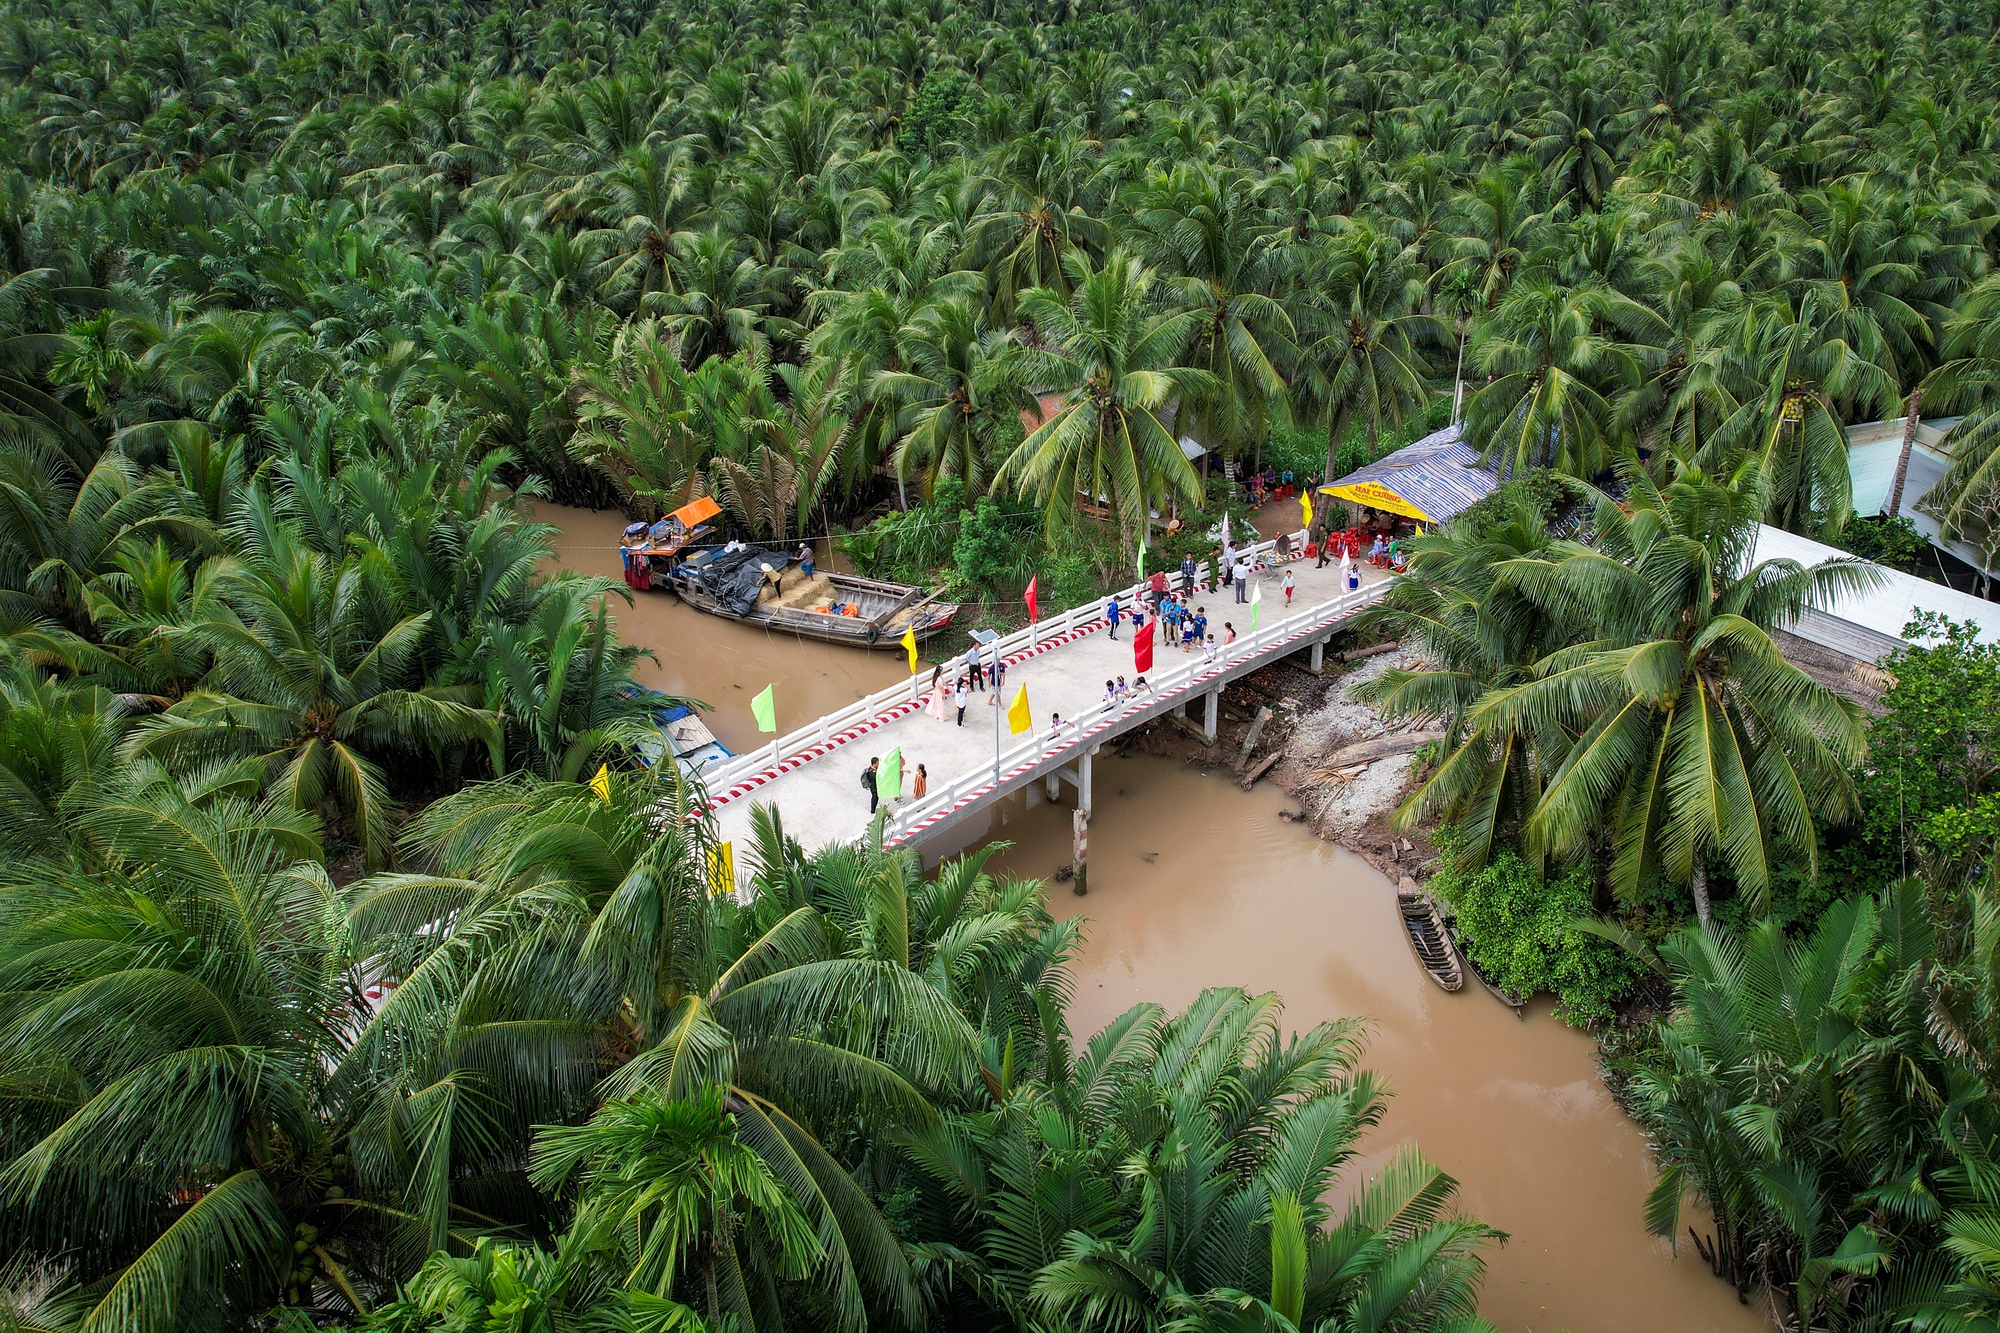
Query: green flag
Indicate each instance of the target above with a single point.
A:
(1142, 557)
(1256, 603)
(889, 777)
(765, 709)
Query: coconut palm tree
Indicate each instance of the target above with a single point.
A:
(1478, 633)
(179, 1016)
(1204, 229)
(960, 386)
(1213, 1208)
(1362, 362)
(547, 912)
(1691, 743)
(1112, 355)
(314, 688)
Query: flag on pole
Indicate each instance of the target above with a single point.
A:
(910, 646)
(1142, 557)
(722, 869)
(1018, 717)
(1142, 649)
(601, 784)
(889, 777)
(1306, 507)
(1256, 604)
(765, 709)
(1031, 596)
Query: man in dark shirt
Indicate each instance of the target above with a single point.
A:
(868, 781)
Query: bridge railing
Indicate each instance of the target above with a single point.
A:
(719, 778)
(1077, 733)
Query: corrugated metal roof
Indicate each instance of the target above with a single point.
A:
(1882, 612)
(1438, 476)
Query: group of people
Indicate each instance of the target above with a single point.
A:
(871, 782)
(976, 675)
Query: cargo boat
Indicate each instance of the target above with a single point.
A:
(760, 586)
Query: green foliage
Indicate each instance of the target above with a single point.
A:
(987, 550)
(1892, 542)
(1543, 496)
(1933, 762)
(1795, 1092)
(937, 115)
(1520, 931)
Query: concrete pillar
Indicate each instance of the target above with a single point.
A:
(1319, 655)
(1083, 782)
(1052, 784)
(1209, 713)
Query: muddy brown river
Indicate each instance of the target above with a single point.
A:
(1195, 884)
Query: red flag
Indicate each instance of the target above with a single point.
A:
(1031, 597)
(1142, 649)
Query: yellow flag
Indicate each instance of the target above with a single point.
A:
(722, 869)
(1306, 504)
(601, 784)
(910, 646)
(1018, 719)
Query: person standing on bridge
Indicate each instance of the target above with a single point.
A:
(868, 781)
(976, 669)
(1289, 585)
(1200, 624)
(1243, 581)
(1228, 634)
(960, 697)
(920, 785)
(1112, 613)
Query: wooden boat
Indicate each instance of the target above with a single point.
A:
(649, 551)
(762, 587)
(1428, 939)
(1519, 1006)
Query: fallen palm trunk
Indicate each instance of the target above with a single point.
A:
(1382, 747)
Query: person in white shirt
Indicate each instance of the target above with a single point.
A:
(1110, 694)
(1208, 651)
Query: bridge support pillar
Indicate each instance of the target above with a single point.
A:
(1318, 658)
(1083, 782)
(1212, 706)
(1052, 784)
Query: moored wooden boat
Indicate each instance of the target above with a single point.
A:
(1519, 1006)
(1428, 939)
(761, 587)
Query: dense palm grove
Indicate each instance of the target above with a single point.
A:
(299, 306)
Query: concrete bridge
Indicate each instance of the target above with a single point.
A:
(813, 775)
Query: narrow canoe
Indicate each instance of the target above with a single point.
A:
(1428, 939)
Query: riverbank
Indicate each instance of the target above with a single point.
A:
(1196, 882)
(1225, 893)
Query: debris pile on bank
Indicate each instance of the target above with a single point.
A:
(1350, 770)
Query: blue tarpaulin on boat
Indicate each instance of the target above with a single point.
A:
(1436, 479)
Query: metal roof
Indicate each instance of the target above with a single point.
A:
(1873, 619)
(1435, 479)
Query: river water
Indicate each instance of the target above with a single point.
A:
(723, 663)
(1195, 884)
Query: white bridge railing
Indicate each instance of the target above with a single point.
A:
(720, 778)
(1169, 688)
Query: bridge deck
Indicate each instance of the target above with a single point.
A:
(816, 780)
